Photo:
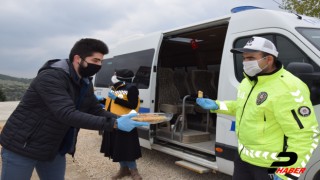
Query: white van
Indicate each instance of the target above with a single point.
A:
(171, 66)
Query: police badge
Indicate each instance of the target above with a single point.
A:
(262, 96)
(304, 111)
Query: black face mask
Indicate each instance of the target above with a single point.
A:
(90, 70)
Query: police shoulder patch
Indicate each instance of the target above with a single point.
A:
(262, 96)
(304, 111)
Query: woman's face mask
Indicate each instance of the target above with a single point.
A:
(114, 79)
(252, 68)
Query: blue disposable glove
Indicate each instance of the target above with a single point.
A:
(112, 95)
(276, 177)
(126, 124)
(208, 104)
(99, 98)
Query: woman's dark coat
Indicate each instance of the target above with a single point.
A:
(120, 145)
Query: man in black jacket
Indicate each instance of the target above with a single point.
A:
(59, 101)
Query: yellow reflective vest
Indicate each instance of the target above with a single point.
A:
(117, 109)
(273, 114)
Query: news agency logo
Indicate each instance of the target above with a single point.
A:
(280, 167)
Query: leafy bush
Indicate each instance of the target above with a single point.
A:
(12, 88)
(2, 96)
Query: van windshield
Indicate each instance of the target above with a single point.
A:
(312, 35)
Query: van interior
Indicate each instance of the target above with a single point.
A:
(189, 62)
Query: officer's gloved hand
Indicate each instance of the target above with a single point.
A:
(112, 95)
(276, 177)
(207, 103)
(126, 124)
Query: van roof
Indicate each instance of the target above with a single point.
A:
(263, 18)
(252, 19)
(243, 21)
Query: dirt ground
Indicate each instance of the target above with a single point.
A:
(90, 164)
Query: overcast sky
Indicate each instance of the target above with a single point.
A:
(33, 31)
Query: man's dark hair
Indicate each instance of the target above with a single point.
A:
(86, 47)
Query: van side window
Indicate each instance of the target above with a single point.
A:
(292, 58)
(142, 77)
(289, 52)
(103, 77)
(139, 62)
(311, 34)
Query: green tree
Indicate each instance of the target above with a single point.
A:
(2, 96)
(304, 7)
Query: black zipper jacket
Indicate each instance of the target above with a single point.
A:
(38, 125)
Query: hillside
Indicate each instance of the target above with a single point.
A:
(10, 78)
(13, 88)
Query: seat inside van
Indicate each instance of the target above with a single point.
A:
(181, 82)
(169, 100)
(305, 72)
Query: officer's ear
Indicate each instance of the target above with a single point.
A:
(270, 59)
